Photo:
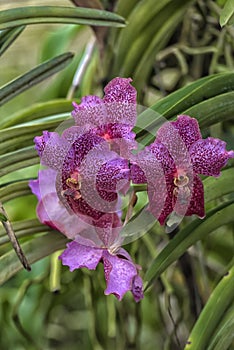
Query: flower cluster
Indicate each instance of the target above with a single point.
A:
(91, 164)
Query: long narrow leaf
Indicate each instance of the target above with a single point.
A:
(204, 329)
(37, 111)
(34, 250)
(57, 14)
(223, 336)
(193, 232)
(24, 228)
(8, 36)
(34, 77)
(22, 136)
(18, 160)
(13, 190)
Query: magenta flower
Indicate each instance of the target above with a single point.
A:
(112, 117)
(171, 166)
(92, 243)
(79, 192)
(50, 210)
(120, 272)
(88, 175)
(91, 158)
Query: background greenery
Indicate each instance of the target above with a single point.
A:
(180, 56)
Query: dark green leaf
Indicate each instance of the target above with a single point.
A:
(34, 250)
(8, 36)
(212, 314)
(37, 111)
(34, 77)
(227, 13)
(13, 190)
(18, 160)
(196, 230)
(57, 14)
(3, 217)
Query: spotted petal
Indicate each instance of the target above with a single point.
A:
(171, 139)
(90, 111)
(52, 149)
(120, 101)
(196, 204)
(209, 156)
(137, 288)
(77, 256)
(165, 198)
(188, 129)
(119, 274)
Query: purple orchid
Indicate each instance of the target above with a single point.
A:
(88, 174)
(91, 244)
(171, 164)
(50, 210)
(112, 117)
(120, 272)
(79, 191)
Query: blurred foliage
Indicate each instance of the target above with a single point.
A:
(181, 60)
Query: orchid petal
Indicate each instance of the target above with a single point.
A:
(170, 137)
(90, 111)
(119, 274)
(120, 101)
(52, 149)
(137, 288)
(209, 156)
(77, 256)
(196, 204)
(188, 129)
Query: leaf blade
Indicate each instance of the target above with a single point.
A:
(58, 14)
(221, 298)
(33, 77)
(8, 36)
(187, 237)
(34, 250)
(226, 13)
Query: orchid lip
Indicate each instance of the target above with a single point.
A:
(181, 181)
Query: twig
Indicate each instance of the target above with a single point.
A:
(14, 241)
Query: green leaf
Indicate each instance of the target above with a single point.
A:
(190, 234)
(208, 99)
(24, 228)
(14, 189)
(37, 111)
(214, 110)
(226, 16)
(212, 314)
(3, 217)
(34, 77)
(217, 187)
(142, 14)
(18, 160)
(8, 36)
(174, 15)
(194, 93)
(34, 250)
(58, 14)
(22, 136)
(223, 335)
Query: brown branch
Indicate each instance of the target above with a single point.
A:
(13, 239)
(100, 32)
